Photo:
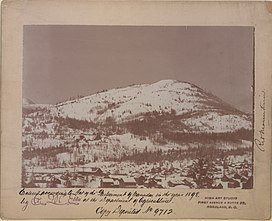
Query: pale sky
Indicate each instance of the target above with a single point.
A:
(65, 61)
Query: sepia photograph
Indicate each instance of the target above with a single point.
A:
(137, 107)
(136, 110)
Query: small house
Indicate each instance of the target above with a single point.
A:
(107, 183)
(128, 182)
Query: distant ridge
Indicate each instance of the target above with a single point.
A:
(27, 101)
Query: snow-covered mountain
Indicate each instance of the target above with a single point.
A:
(170, 124)
(162, 116)
(194, 108)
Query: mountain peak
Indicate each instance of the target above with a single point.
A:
(193, 107)
(165, 82)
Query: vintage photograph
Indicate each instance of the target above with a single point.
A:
(137, 107)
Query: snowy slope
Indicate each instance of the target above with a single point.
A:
(147, 118)
(197, 109)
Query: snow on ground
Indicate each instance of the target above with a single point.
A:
(165, 95)
(213, 121)
(47, 142)
(132, 141)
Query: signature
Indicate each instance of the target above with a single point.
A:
(50, 199)
(260, 141)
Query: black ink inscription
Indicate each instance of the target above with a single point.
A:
(260, 141)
